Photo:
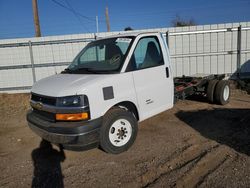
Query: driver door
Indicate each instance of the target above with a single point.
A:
(152, 82)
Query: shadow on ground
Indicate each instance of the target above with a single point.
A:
(226, 126)
(47, 166)
(198, 98)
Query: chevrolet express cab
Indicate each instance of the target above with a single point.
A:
(110, 86)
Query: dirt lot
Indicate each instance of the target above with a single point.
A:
(193, 144)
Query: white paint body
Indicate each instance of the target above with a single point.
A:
(148, 89)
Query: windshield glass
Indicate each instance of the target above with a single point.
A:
(102, 56)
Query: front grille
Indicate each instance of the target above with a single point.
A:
(48, 116)
(43, 99)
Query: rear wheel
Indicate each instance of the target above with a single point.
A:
(210, 90)
(222, 92)
(118, 131)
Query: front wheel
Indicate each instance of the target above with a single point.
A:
(118, 131)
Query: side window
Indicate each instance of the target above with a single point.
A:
(147, 54)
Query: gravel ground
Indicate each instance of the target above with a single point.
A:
(195, 144)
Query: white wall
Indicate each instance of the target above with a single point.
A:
(190, 53)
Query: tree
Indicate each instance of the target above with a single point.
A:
(128, 28)
(180, 22)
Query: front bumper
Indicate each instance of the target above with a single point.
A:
(72, 135)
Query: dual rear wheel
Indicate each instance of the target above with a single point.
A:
(218, 91)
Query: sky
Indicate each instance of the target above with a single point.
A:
(60, 17)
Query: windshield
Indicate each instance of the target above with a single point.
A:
(102, 56)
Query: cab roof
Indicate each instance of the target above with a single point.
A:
(129, 34)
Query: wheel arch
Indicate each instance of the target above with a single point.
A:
(128, 105)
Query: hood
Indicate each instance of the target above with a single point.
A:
(60, 85)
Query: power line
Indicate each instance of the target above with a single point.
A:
(73, 11)
(76, 15)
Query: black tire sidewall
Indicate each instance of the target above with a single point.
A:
(113, 116)
(219, 92)
(210, 90)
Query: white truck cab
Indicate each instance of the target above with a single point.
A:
(111, 85)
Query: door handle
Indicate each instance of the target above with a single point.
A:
(167, 72)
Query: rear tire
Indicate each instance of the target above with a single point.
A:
(119, 131)
(210, 90)
(222, 92)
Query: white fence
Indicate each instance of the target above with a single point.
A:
(211, 49)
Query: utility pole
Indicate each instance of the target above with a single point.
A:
(107, 19)
(97, 25)
(36, 18)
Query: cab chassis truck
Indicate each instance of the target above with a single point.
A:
(113, 84)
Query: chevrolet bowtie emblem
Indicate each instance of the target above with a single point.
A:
(38, 105)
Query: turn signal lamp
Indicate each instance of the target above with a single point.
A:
(72, 117)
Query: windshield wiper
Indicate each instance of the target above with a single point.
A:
(82, 70)
(85, 69)
(67, 70)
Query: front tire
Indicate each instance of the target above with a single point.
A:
(119, 131)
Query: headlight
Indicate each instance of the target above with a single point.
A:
(72, 101)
